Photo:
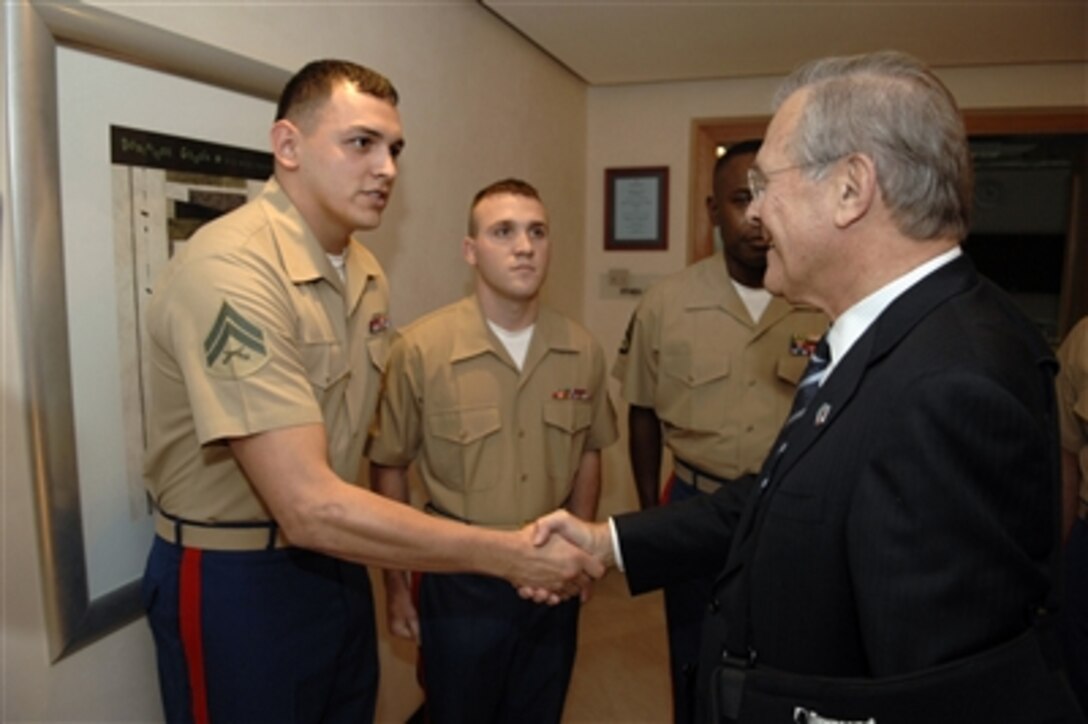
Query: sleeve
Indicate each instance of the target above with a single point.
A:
(680, 541)
(396, 434)
(951, 524)
(1072, 388)
(636, 364)
(230, 327)
(603, 431)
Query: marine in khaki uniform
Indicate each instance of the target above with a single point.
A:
(709, 365)
(268, 336)
(503, 403)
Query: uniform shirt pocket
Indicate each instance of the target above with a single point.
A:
(378, 350)
(325, 362)
(791, 367)
(566, 424)
(459, 446)
(689, 394)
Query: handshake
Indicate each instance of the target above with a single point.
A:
(568, 554)
(548, 561)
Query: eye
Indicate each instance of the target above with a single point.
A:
(396, 149)
(361, 143)
(502, 231)
(741, 198)
(538, 232)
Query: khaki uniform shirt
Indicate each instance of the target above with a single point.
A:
(495, 446)
(251, 329)
(1073, 398)
(720, 384)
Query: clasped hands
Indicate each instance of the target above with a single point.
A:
(552, 559)
(580, 550)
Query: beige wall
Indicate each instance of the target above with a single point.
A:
(650, 125)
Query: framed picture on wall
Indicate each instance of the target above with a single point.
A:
(636, 209)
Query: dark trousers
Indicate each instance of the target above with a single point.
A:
(685, 607)
(261, 636)
(1075, 613)
(489, 656)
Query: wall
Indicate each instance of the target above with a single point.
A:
(478, 103)
(650, 125)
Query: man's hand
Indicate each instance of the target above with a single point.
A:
(553, 569)
(403, 620)
(595, 539)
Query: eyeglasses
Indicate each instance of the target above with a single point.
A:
(757, 180)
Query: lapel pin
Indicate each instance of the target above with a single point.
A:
(823, 413)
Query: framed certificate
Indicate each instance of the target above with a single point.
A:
(636, 209)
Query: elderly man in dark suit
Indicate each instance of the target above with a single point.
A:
(897, 560)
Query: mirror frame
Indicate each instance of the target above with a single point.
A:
(33, 31)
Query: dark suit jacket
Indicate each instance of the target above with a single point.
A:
(915, 525)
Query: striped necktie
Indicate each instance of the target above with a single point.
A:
(818, 363)
(810, 381)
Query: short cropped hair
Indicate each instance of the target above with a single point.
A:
(740, 148)
(315, 82)
(891, 107)
(511, 186)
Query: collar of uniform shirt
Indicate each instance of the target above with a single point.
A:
(852, 323)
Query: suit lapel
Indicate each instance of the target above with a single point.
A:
(833, 398)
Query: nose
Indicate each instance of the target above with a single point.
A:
(387, 166)
(523, 246)
(751, 214)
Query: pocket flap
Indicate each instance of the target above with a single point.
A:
(568, 415)
(464, 426)
(791, 367)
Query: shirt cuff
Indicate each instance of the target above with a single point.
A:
(616, 545)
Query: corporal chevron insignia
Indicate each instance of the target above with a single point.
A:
(235, 346)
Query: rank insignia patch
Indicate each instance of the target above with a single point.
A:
(235, 346)
(572, 393)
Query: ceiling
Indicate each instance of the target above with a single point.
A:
(643, 41)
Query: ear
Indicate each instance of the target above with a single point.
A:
(712, 210)
(285, 142)
(856, 189)
(468, 250)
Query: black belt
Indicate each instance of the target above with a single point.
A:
(433, 509)
(694, 477)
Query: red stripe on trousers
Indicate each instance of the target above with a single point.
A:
(666, 494)
(192, 641)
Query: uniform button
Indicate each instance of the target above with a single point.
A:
(750, 428)
(521, 433)
(462, 435)
(751, 383)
